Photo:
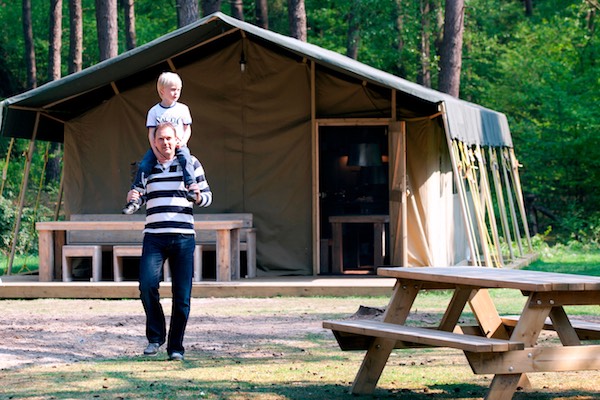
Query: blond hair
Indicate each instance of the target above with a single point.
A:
(168, 78)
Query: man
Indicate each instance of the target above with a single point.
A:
(168, 234)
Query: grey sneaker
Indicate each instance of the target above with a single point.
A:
(152, 349)
(176, 356)
(131, 207)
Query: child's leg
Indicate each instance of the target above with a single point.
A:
(144, 170)
(183, 156)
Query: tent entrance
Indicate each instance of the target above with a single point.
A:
(353, 184)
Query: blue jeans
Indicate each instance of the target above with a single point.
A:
(149, 161)
(179, 249)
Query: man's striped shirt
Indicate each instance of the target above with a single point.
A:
(167, 209)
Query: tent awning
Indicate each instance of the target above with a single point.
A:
(59, 101)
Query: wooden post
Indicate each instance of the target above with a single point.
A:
(500, 198)
(519, 195)
(511, 203)
(5, 169)
(15, 236)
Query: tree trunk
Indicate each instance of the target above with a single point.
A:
(29, 48)
(353, 39)
(187, 12)
(262, 14)
(237, 9)
(399, 67)
(75, 36)
(297, 19)
(210, 6)
(528, 7)
(106, 26)
(129, 14)
(438, 10)
(52, 172)
(451, 52)
(424, 74)
(54, 40)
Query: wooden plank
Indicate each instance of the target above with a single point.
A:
(525, 280)
(487, 316)
(563, 327)
(585, 330)
(128, 225)
(537, 359)
(455, 308)
(589, 296)
(430, 337)
(46, 256)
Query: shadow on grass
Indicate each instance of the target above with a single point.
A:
(214, 378)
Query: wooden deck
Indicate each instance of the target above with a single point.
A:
(28, 287)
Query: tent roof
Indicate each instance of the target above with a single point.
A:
(61, 100)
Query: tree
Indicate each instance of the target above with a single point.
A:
(54, 73)
(237, 9)
(75, 36)
(187, 12)
(451, 51)
(528, 7)
(353, 39)
(424, 74)
(29, 48)
(106, 25)
(262, 14)
(297, 19)
(129, 13)
(54, 40)
(210, 6)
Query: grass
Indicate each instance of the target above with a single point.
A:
(307, 367)
(22, 264)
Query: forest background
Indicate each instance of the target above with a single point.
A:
(534, 60)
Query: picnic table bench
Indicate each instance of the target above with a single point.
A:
(505, 347)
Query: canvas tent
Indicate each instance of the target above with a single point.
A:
(262, 104)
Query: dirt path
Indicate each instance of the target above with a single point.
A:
(49, 331)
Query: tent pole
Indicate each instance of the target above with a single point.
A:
(487, 198)
(500, 198)
(519, 195)
(397, 190)
(22, 194)
(5, 169)
(459, 185)
(60, 194)
(314, 134)
(470, 175)
(511, 203)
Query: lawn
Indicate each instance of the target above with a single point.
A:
(264, 349)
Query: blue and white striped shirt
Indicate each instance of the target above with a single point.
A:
(167, 209)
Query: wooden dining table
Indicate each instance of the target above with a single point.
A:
(503, 346)
(52, 236)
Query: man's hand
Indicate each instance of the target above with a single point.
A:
(133, 195)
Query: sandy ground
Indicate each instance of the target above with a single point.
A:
(51, 331)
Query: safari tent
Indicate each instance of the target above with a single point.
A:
(293, 134)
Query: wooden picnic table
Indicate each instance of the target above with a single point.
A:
(52, 237)
(504, 347)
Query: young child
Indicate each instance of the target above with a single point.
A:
(169, 86)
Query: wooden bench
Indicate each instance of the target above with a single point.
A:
(129, 243)
(79, 251)
(585, 330)
(349, 334)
